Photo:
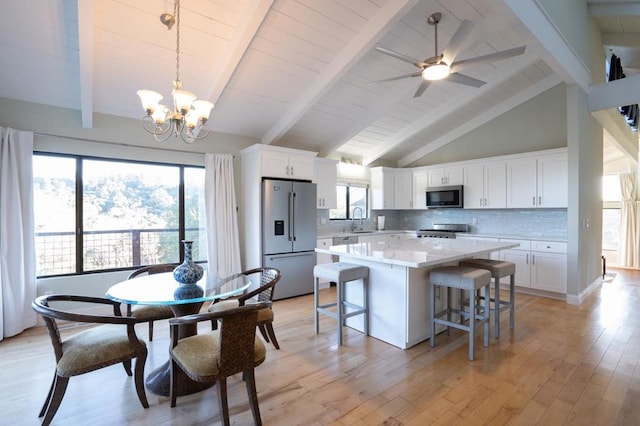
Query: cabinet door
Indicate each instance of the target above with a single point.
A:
(403, 185)
(548, 271)
(382, 187)
(553, 181)
(523, 268)
(521, 183)
(436, 177)
(495, 185)
(324, 243)
(301, 167)
(420, 184)
(275, 164)
(474, 187)
(326, 179)
(454, 175)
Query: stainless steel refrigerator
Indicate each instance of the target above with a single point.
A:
(289, 234)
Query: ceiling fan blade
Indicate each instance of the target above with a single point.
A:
(458, 42)
(465, 79)
(399, 77)
(405, 58)
(423, 86)
(491, 57)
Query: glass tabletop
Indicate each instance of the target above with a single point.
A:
(163, 289)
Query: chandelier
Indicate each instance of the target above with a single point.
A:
(189, 116)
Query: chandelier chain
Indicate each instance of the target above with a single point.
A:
(176, 13)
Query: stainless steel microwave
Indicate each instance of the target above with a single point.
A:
(445, 196)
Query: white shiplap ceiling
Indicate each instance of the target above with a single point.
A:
(293, 73)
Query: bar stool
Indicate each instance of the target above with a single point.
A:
(498, 269)
(341, 273)
(463, 278)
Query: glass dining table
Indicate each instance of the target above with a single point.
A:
(163, 289)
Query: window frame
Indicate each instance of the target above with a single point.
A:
(79, 213)
(365, 211)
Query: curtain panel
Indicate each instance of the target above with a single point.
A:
(17, 234)
(223, 242)
(628, 242)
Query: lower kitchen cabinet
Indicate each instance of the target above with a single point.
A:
(540, 265)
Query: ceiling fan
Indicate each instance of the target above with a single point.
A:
(444, 66)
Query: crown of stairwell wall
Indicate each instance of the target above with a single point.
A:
(547, 223)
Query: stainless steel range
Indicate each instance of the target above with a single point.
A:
(443, 230)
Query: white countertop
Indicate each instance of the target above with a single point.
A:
(417, 253)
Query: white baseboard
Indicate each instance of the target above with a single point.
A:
(576, 300)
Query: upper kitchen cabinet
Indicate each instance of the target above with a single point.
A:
(445, 176)
(277, 162)
(382, 188)
(403, 185)
(538, 182)
(485, 185)
(420, 184)
(326, 179)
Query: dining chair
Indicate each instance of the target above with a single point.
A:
(268, 279)
(215, 355)
(114, 341)
(150, 313)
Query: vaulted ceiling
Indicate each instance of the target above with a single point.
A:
(294, 73)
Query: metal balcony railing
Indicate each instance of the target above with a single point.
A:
(113, 249)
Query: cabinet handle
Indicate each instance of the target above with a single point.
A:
(527, 259)
(485, 202)
(481, 201)
(533, 201)
(291, 170)
(539, 200)
(287, 172)
(533, 259)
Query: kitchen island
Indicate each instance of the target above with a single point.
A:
(399, 282)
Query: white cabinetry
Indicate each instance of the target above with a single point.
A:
(326, 179)
(403, 184)
(534, 182)
(445, 176)
(493, 255)
(540, 265)
(382, 188)
(485, 185)
(287, 165)
(420, 184)
(321, 258)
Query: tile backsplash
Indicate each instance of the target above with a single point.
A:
(548, 223)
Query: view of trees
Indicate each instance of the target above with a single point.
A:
(130, 213)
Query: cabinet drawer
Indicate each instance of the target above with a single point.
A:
(549, 246)
(324, 243)
(525, 245)
(339, 241)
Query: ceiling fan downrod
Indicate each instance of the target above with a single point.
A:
(434, 19)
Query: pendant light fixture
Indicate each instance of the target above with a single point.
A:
(189, 116)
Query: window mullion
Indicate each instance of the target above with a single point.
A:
(181, 213)
(79, 218)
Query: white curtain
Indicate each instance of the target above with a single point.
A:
(628, 243)
(17, 237)
(223, 242)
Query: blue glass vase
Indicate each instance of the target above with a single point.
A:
(188, 272)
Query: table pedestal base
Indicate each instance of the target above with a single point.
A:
(159, 380)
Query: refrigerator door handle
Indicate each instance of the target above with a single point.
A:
(293, 216)
(289, 231)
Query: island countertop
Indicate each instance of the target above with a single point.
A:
(417, 253)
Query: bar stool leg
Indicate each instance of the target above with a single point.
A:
(487, 301)
(472, 324)
(365, 301)
(432, 307)
(512, 316)
(496, 305)
(340, 306)
(316, 304)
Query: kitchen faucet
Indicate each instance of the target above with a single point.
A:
(353, 218)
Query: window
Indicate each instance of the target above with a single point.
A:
(351, 196)
(126, 214)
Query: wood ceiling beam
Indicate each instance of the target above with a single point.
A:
(359, 46)
(614, 8)
(244, 33)
(85, 53)
(625, 91)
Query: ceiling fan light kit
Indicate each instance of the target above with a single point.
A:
(189, 116)
(443, 66)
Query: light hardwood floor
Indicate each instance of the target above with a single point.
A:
(563, 364)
